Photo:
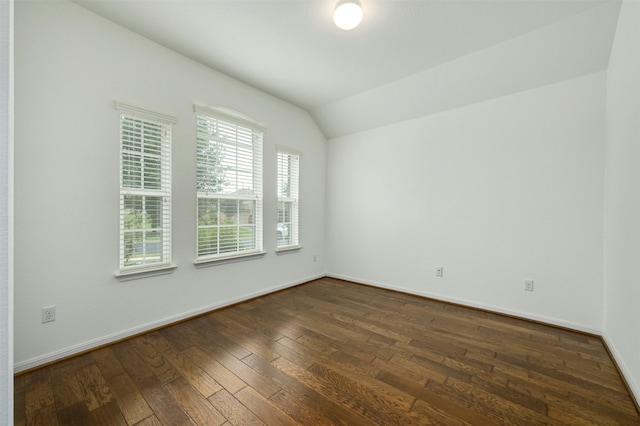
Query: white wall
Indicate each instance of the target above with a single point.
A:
(622, 202)
(6, 285)
(70, 67)
(497, 192)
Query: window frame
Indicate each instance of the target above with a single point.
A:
(162, 189)
(230, 121)
(292, 177)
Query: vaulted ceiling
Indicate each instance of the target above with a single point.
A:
(407, 59)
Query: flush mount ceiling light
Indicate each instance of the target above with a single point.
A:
(348, 14)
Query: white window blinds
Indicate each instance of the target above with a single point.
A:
(228, 184)
(145, 189)
(288, 165)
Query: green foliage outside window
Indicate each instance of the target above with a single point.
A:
(142, 229)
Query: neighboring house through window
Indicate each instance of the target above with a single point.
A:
(287, 229)
(145, 189)
(229, 184)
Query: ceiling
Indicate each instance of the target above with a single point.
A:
(291, 49)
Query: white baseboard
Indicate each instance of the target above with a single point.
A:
(524, 315)
(112, 338)
(628, 377)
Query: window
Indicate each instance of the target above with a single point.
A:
(229, 185)
(145, 189)
(287, 232)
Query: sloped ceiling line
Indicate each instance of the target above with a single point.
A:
(406, 59)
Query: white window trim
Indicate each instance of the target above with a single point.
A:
(141, 271)
(134, 274)
(221, 259)
(295, 246)
(231, 115)
(288, 249)
(234, 117)
(144, 113)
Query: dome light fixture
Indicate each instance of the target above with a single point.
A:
(348, 14)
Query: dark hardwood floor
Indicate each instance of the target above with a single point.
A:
(332, 352)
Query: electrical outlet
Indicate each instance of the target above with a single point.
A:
(439, 271)
(315, 258)
(48, 314)
(528, 285)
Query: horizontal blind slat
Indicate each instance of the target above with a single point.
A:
(287, 165)
(229, 184)
(145, 189)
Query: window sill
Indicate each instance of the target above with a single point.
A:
(221, 260)
(288, 249)
(144, 272)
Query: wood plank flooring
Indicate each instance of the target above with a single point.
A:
(331, 352)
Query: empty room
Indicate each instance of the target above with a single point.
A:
(256, 212)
